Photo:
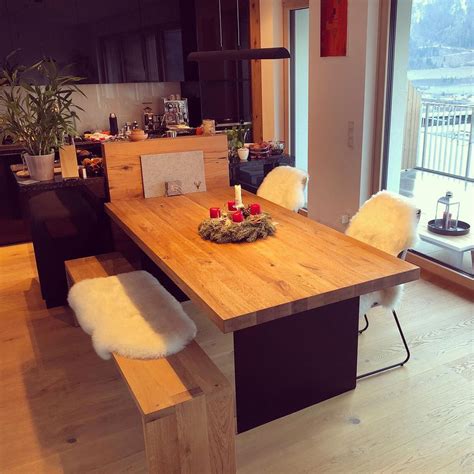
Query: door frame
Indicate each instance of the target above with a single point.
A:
(287, 7)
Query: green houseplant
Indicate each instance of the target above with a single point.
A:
(236, 138)
(39, 114)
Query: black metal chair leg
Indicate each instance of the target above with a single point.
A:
(400, 364)
(366, 325)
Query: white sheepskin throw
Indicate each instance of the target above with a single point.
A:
(388, 222)
(284, 185)
(131, 314)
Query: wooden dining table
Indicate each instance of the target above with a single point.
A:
(291, 300)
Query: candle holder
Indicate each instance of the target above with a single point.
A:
(446, 221)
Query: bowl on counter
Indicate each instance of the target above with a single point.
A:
(138, 135)
(259, 151)
(277, 147)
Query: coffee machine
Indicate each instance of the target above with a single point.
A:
(176, 112)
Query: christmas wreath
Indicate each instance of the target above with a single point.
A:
(223, 230)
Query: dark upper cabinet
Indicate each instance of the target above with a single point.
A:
(114, 41)
(105, 41)
(222, 24)
(225, 85)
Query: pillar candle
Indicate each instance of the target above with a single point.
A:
(238, 195)
(237, 216)
(231, 206)
(255, 209)
(214, 212)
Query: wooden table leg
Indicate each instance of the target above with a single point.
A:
(294, 362)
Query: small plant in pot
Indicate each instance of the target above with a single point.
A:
(236, 139)
(38, 113)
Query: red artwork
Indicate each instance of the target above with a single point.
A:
(333, 27)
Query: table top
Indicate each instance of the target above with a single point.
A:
(305, 265)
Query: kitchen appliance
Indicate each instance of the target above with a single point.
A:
(148, 117)
(113, 124)
(176, 112)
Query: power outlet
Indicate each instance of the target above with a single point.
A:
(350, 134)
(345, 218)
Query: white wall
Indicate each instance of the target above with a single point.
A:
(124, 100)
(342, 90)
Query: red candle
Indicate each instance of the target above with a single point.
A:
(237, 216)
(231, 206)
(255, 209)
(214, 212)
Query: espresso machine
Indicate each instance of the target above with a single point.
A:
(176, 113)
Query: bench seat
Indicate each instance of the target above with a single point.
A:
(185, 402)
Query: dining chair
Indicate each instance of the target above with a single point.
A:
(388, 222)
(285, 186)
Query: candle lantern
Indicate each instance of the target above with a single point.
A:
(447, 212)
(446, 221)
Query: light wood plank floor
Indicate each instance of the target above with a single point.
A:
(62, 409)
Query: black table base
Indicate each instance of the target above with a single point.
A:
(291, 363)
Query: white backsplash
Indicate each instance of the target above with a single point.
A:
(124, 100)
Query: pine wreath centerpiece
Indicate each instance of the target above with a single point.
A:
(224, 230)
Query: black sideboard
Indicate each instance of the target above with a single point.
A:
(250, 174)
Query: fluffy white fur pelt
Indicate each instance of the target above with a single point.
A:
(284, 185)
(388, 222)
(131, 314)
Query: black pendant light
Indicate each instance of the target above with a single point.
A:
(239, 54)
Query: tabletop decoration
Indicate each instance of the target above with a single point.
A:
(446, 221)
(238, 196)
(244, 225)
(214, 212)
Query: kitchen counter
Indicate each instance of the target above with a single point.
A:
(29, 185)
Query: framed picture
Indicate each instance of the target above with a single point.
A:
(333, 28)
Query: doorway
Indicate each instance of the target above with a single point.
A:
(296, 38)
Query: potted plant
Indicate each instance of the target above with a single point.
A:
(38, 114)
(236, 138)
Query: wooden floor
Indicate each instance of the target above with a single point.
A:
(62, 409)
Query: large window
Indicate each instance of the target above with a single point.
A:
(430, 134)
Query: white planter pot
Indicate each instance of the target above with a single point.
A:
(243, 154)
(40, 167)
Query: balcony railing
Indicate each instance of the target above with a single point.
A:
(444, 141)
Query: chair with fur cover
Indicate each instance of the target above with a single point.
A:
(388, 222)
(285, 186)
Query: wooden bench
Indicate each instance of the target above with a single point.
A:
(185, 402)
